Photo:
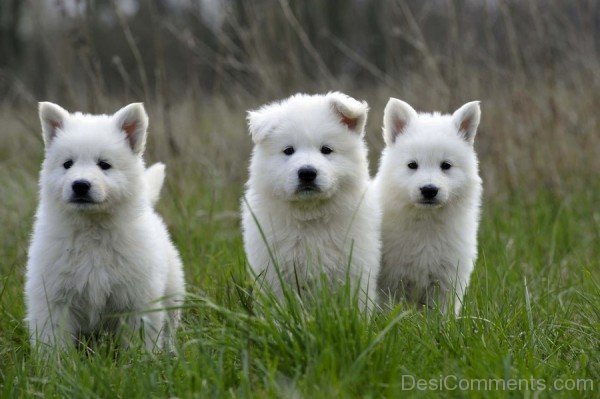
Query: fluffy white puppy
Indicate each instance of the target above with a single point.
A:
(309, 210)
(100, 257)
(430, 191)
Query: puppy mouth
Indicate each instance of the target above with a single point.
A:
(82, 201)
(307, 189)
(427, 203)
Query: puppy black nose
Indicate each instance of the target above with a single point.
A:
(429, 191)
(307, 174)
(81, 187)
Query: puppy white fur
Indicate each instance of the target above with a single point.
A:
(100, 257)
(310, 193)
(429, 187)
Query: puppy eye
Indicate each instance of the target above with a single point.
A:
(104, 165)
(68, 164)
(413, 165)
(289, 151)
(325, 150)
(445, 165)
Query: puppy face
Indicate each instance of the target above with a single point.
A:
(431, 161)
(308, 147)
(92, 162)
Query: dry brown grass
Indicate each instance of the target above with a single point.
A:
(532, 64)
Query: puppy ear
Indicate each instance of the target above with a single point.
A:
(466, 119)
(351, 113)
(133, 121)
(396, 117)
(53, 118)
(262, 121)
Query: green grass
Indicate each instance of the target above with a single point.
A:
(531, 311)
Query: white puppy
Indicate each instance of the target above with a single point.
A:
(100, 258)
(429, 187)
(308, 203)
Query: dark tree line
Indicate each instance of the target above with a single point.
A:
(267, 47)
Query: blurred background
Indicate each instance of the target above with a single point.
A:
(200, 64)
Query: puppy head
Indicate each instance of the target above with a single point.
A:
(430, 160)
(92, 162)
(308, 147)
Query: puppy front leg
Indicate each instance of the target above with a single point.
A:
(459, 294)
(148, 326)
(173, 301)
(173, 316)
(435, 296)
(368, 294)
(51, 326)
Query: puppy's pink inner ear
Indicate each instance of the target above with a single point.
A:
(399, 125)
(54, 125)
(350, 122)
(465, 125)
(129, 129)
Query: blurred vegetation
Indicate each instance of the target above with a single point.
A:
(67, 49)
(534, 64)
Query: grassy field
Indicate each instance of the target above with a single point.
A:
(531, 316)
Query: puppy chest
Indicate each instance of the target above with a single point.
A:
(423, 261)
(92, 274)
(94, 310)
(309, 252)
(98, 298)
